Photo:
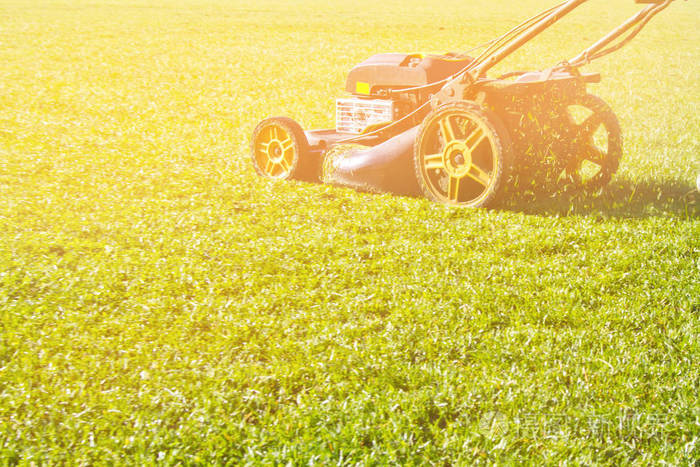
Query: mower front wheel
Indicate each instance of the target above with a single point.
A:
(462, 155)
(280, 150)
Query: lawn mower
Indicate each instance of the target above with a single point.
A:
(437, 125)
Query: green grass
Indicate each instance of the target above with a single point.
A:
(158, 301)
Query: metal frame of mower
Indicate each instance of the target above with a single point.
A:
(468, 134)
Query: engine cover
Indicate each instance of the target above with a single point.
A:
(393, 71)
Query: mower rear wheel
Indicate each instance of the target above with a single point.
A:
(279, 149)
(596, 143)
(462, 155)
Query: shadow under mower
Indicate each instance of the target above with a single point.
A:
(438, 126)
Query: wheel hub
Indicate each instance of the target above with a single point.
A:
(275, 152)
(457, 159)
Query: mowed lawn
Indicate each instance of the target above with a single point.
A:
(160, 302)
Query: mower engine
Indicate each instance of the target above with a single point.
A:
(381, 88)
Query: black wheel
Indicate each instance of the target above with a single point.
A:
(280, 150)
(462, 155)
(596, 143)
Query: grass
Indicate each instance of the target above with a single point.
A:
(159, 302)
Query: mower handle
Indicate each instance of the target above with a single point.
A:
(634, 24)
(640, 19)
